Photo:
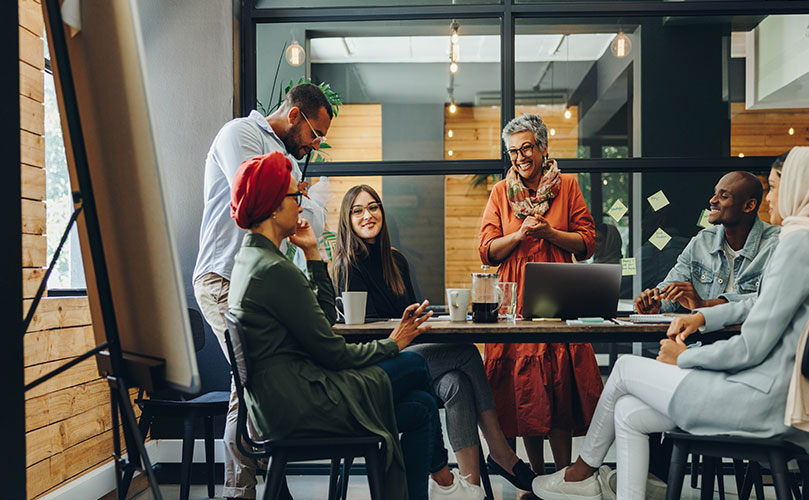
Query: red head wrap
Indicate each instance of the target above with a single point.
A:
(258, 188)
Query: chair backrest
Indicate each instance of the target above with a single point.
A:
(234, 338)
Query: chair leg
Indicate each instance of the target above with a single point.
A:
(679, 455)
(188, 457)
(344, 477)
(753, 478)
(720, 477)
(334, 474)
(804, 467)
(275, 475)
(694, 470)
(484, 473)
(375, 470)
(780, 475)
(209, 454)
(738, 474)
(708, 473)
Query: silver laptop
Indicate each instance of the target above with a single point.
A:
(569, 291)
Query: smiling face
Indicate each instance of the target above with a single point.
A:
(774, 180)
(530, 167)
(729, 204)
(302, 138)
(366, 217)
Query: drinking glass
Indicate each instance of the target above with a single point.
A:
(508, 309)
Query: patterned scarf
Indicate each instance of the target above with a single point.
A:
(522, 204)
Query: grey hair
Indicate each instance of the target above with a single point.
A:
(532, 123)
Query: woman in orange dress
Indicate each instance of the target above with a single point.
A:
(537, 214)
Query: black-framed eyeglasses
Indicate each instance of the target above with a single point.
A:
(359, 210)
(298, 197)
(527, 151)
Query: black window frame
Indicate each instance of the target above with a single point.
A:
(507, 12)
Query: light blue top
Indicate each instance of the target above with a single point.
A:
(703, 263)
(219, 236)
(739, 386)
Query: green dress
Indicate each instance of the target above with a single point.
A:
(306, 380)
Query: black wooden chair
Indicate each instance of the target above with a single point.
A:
(775, 452)
(203, 407)
(282, 451)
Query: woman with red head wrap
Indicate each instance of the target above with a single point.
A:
(306, 380)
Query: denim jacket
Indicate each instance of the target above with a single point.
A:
(703, 263)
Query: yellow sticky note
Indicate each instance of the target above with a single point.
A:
(658, 200)
(660, 239)
(703, 219)
(617, 210)
(628, 267)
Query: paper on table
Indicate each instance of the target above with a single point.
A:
(617, 210)
(703, 219)
(658, 200)
(578, 322)
(660, 239)
(628, 267)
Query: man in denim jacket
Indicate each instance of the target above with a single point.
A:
(722, 263)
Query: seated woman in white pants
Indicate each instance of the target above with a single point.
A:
(737, 386)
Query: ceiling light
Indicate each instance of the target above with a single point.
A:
(553, 131)
(453, 29)
(295, 55)
(741, 155)
(449, 133)
(452, 107)
(605, 182)
(453, 68)
(791, 131)
(621, 45)
(567, 114)
(450, 153)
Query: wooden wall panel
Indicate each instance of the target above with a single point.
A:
(34, 217)
(766, 132)
(32, 149)
(32, 82)
(31, 278)
(32, 116)
(33, 182)
(31, 49)
(60, 405)
(34, 250)
(30, 16)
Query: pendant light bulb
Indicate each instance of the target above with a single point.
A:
(453, 68)
(553, 131)
(621, 45)
(295, 55)
(567, 114)
(452, 107)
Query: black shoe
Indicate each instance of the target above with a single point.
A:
(521, 478)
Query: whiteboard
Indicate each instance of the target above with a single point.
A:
(107, 66)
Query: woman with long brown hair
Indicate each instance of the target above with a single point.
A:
(365, 261)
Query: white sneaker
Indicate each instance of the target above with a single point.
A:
(608, 479)
(554, 487)
(459, 489)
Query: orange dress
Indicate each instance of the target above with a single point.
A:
(540, 386)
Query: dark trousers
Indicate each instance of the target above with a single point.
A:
(417, 418)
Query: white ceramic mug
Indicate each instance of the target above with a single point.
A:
(353, 307)
(458, 303)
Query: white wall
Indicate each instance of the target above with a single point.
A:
(189, 64)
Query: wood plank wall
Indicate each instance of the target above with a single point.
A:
(476, 135)
(68, 419)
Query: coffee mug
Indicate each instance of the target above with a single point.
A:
(458, 302)
(353, 307)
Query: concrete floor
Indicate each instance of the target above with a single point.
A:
(316, 488)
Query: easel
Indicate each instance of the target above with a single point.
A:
(122, 370)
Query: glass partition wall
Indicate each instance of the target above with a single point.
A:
(648, 103)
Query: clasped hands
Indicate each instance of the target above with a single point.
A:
(537, 227)
(649, 300)
(679, 330)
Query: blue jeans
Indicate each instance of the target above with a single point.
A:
(417, 418)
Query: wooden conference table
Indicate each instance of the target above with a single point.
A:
(526, 332)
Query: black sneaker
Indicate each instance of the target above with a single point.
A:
(522, 474)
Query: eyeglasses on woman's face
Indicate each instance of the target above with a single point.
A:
(527, 151)
(298, 197)
(319, 139)
(359, 210)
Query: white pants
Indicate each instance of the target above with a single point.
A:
(634, 404)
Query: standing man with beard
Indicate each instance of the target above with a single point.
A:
(722, 263)
(297, 128)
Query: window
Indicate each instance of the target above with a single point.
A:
(68, 272)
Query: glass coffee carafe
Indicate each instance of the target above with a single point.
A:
(486, 296)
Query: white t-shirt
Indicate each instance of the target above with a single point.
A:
(731, 255)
